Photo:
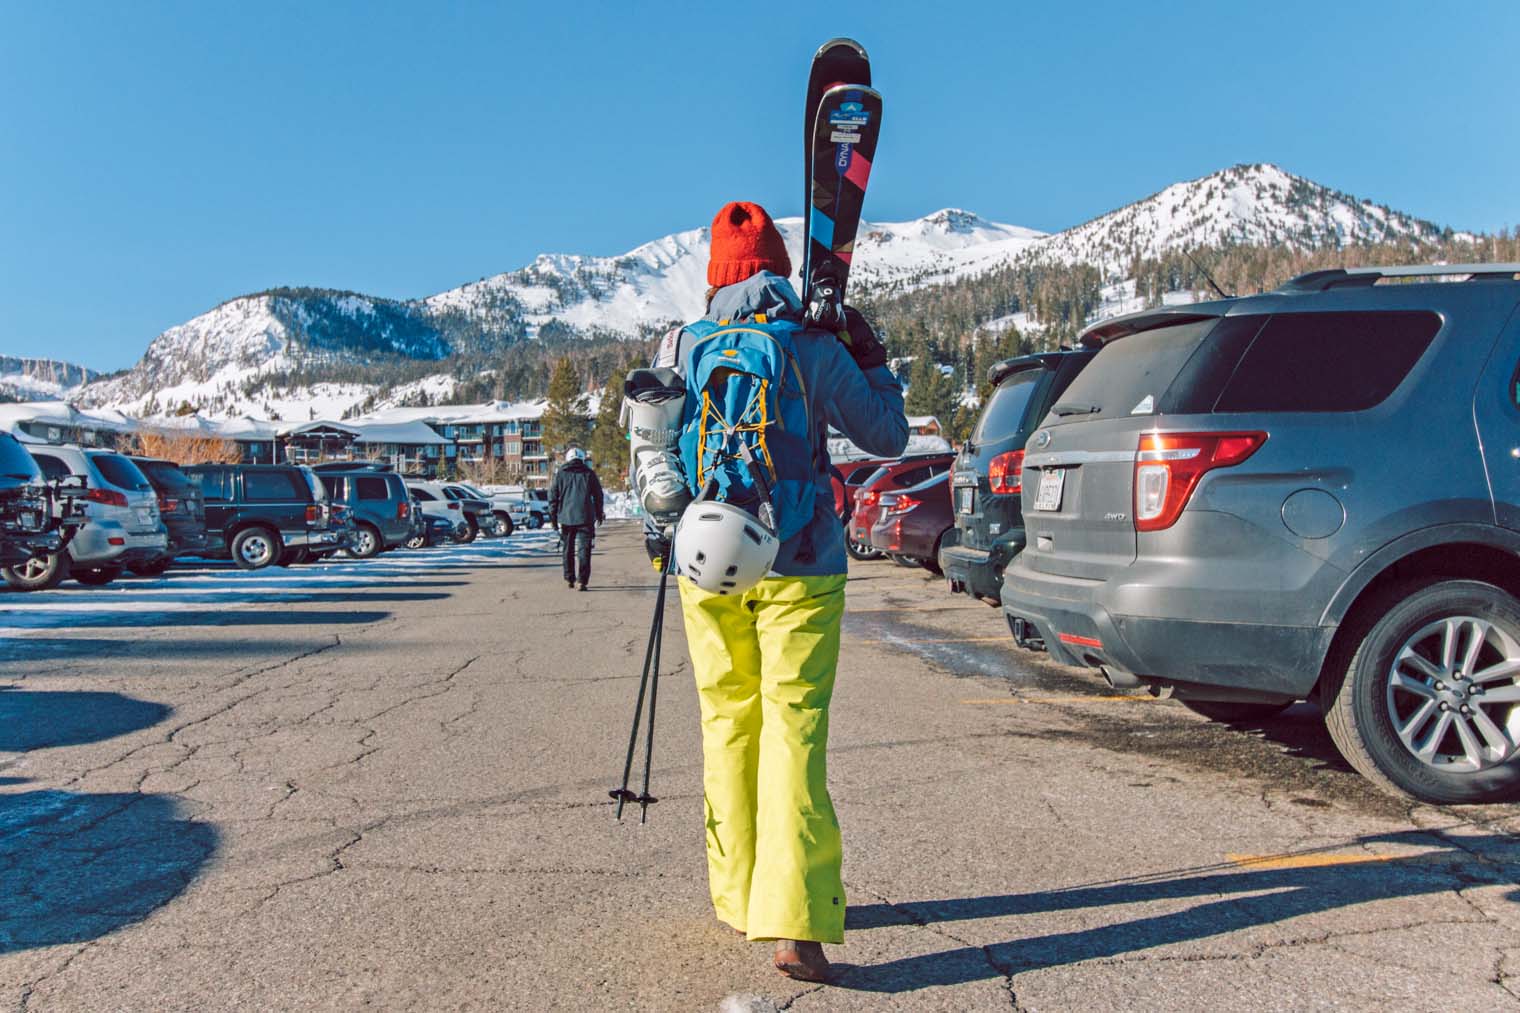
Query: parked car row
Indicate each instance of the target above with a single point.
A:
(1310, 494)
(93, 514)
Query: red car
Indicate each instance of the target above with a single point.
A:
(847, 478)
(912, 523)
(889, 477)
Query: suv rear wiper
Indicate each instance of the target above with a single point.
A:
(1064, 408)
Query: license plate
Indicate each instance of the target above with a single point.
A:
(1052, 482)
(144, 516)
(965, 499)
(29, 520)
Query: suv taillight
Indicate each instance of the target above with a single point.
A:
(868, 497)
(313, 513)
(402, 509)
(107, 496)
(167, 505)
(1006, 473)
(902, 504)
(1169, 466)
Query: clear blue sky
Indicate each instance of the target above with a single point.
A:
(156, 159)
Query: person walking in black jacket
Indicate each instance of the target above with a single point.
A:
(575, 508)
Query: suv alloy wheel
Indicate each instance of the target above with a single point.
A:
(1429, 703)
(255, 548)
(40, 573)
(366, 542)
(860, 551)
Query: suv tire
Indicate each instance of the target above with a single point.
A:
(367, 542)
(504, 525)
(38, 574)
(255, 548)
(1455, 743)
(417, 541)
(474, 527)
(1235, 711)
(98, 576)
(535, 521)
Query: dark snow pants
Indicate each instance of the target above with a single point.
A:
(577, 540)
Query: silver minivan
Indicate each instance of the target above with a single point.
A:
(123, 526)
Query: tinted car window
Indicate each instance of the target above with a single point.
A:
(52, 467)
(372, 488)
(270, 486)
(1005, 409)
(1128, 376)
(119, 471)
(1327, 362)
(423, 495)
(15, 461)
(162, 473)
(213, 483)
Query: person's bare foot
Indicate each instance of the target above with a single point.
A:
(802, 959)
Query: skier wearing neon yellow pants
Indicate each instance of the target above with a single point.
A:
(764, 666)
(765, 660)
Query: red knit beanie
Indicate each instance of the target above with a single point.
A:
(744, 243)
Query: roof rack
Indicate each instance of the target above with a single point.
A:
(1344, 277)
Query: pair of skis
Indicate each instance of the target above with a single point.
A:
(843, 121)
(841, 126)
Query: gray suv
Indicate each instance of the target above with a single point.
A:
(1312, 493)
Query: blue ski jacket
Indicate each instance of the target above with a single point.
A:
(865, 405)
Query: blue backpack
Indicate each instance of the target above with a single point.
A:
(747, 436)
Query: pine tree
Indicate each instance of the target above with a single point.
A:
(565, 422)
(609, 444)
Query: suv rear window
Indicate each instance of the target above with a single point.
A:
(272, 486)
(165, 474)
(52, 467)
(1327, 362)
(213, 484)
(119, 471)
(1005, 408)
(1128, 376)
(372, 487)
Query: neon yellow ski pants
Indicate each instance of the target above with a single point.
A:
(764, 663)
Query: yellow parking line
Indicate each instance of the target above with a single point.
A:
(1073, 698)
(1310, 861)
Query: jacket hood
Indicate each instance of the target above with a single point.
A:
(765, 292)
(575, 465)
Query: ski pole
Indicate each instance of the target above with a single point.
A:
(646, 800)
(651, 662)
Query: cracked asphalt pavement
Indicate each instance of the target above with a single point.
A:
(391, 792)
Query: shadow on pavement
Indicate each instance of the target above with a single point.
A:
(56, 648)
(208, 617)
(32, 719)
(1298, 888)
(75, 867)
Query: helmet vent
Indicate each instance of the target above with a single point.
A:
(752, 535)
(709, 516)
(731, 571)
(728, 583)
(701, 556)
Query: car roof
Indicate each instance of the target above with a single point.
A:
(1335, 289)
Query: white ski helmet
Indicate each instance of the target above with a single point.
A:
(722, 548)
(574, 454)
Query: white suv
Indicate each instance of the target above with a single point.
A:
(123, 526)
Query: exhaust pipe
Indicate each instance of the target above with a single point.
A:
(1117, 678)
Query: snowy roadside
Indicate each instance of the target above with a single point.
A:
(203, 586)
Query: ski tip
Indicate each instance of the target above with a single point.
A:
(842, 43)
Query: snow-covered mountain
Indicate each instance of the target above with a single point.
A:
(40, 379)
(1248, 204)
(273, 346)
